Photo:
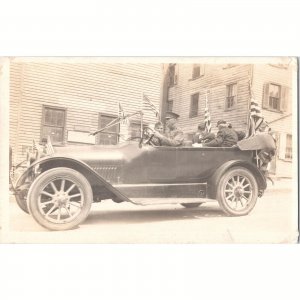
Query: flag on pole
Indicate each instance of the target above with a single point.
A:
(256, 117)
(121, 115)
(207, 116)
(148, 105)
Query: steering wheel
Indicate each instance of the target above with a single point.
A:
(148, 134)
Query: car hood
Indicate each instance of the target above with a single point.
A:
(108, 153)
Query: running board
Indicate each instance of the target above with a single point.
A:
(153, 201)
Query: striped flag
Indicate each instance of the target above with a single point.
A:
(256, 117)
(121, 115)
(148, 105)
(207, 116)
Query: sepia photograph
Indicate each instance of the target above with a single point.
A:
(151, 150)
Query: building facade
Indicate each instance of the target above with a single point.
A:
(228, 92)
(69, 99)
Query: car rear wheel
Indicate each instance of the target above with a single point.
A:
(60, 199)
(190, 205)
(237, 192)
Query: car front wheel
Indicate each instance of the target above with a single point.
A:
(237, 192)
(60, 199)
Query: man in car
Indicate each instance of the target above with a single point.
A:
(226, 137)
(174, 135)
(201, 136)
(159, 127)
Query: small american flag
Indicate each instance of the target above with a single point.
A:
(207, 116)
(148, 105)
(256, 117)
(121, 115)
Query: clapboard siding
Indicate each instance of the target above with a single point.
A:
(215, 79)
(263, 74)
(83, 89)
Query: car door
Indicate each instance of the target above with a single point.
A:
(161, 164)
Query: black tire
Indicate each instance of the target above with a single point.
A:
(21, 200)
(237, 192)
(191, 205)
(56, 194)
(21, 196)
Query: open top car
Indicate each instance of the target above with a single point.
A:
(60, 183)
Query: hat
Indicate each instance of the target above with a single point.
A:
(171, 115)
(201, 126)
(221, 122)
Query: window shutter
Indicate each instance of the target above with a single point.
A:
(176, 74)
(282, 146)
(266, 96)
(202, 70)
(284, 99)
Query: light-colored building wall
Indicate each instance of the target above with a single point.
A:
(84, 89)
(214, 79)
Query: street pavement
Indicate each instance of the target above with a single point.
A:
(273, 220)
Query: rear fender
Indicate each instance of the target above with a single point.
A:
(55, 162)
(215, 178)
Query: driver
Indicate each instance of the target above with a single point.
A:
(155, 141)
(174, 135)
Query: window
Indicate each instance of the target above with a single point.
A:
(194, 105)
(172, 74)
(170, 105)
(275, 97)
(198, 71)
(53, 124)
(135, 129)
(231, 96)
(288, 147)
(110, 135)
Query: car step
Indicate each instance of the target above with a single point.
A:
(153, 201)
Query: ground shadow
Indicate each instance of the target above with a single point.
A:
(152, 215)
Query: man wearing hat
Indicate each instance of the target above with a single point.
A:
(201, 136)
(174, 135)
(226, 137)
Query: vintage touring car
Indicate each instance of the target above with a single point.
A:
(60, 183)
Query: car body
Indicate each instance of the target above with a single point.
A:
(60, 183)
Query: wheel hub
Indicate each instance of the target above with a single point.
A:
(238, 192)
(61, 199)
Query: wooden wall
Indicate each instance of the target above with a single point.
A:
(84, 89)
(215, 79)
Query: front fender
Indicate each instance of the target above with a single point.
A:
(53, 162)
(215, 178)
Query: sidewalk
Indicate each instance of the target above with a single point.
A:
(280, 184)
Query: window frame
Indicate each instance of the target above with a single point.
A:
(175, 75)
(279, 99)
(194, 113)
(235, 97)
(288, 150)
(170, 103)
(107, 132)
(64, 109)
(138, 123)
(193, 72)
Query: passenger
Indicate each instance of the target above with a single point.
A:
(241, 134)
(174, 135)
(201, 136)
(226, 137)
